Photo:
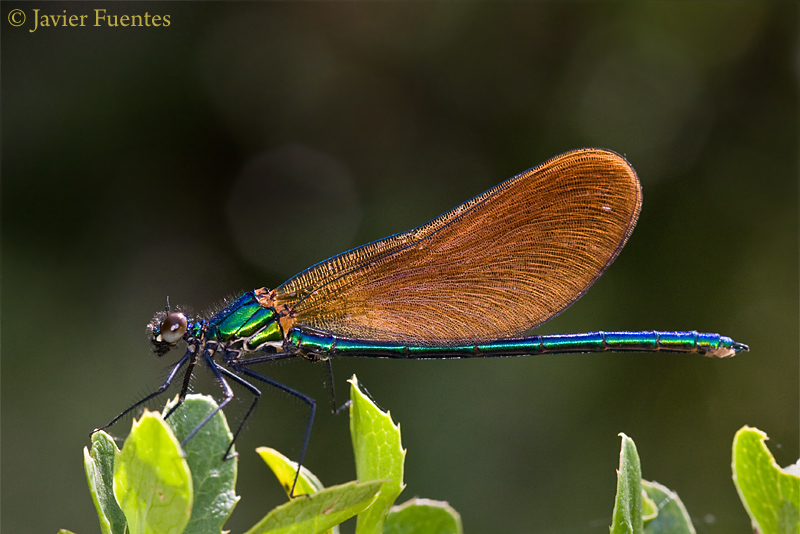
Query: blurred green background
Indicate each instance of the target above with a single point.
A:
(246, 141)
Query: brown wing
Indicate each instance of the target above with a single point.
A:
(495, 266)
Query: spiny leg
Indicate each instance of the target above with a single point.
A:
(265, 358)
(227, 392)
(256, 395)
(250, 387)
(185, 387)
(312, 404)
(334, 408)
(160, 390)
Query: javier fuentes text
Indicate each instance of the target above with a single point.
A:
(100, 18)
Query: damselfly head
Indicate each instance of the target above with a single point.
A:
(166, 329)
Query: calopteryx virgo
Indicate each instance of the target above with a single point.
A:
(466, 284)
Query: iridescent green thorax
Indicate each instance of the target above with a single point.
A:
(245, 320)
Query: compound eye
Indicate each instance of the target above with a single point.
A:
(173, 327)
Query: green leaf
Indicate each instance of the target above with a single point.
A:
(770, 495)
(285, 470)
(378, 454)
(152, 482)
(627, 518)
(672, 516)
(213, 478)
(99, 467)
(319, 511)
(65, 531)
(649, 508)
(423, 516)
